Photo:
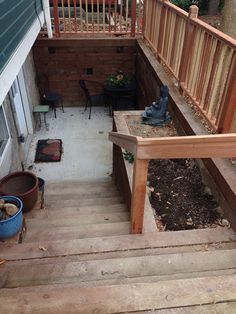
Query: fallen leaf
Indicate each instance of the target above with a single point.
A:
(2, 261)
(177, 178)
(41, 248)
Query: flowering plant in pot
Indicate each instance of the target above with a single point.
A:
(118, 79)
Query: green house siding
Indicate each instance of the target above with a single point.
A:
(16, 17)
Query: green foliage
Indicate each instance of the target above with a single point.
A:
(118, 79)
(221, 5)
(129, 156)
(202, 4)
(183, 4)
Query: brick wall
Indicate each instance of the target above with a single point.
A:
(66, 61)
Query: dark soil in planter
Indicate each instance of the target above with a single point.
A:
(179, 196)
(177, 193)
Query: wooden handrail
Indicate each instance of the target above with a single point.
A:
(201, 146)
(144, 149)
(128, 142)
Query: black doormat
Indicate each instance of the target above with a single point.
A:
(48, 150)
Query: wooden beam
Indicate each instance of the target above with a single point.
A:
(203, 146)
(138, 195)
(128, 142)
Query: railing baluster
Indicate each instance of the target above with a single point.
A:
(98, 16)
(115, 15)
(75, 17)
(86, 14)
(63, 16)
(228, 105)
(56, 18)
(103, 14)
(69, 15)
(121, 15)
(126, 15)
(81, 15)
(133, 18)
(92, 9)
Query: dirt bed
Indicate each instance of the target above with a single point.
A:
(177, 193)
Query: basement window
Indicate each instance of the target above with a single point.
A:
(4, 134)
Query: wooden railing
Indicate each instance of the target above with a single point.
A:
(202, 59)
(144, 149)
(97, 16)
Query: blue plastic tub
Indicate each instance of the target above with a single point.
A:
(11, 226)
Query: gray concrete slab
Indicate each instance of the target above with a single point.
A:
(87, 153)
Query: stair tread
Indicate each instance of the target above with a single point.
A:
(122, 298)
(115, 243)
(78, 232)
(79, 186)
(76, 220)
(83, 201)
(74, 210)
(112, 270)
(97, 193)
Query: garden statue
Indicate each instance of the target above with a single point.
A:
(157, 113)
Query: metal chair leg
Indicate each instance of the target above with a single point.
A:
(90, 109)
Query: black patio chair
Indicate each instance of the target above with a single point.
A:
(48, 97)
(93, 92)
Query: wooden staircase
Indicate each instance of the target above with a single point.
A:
(78, 257)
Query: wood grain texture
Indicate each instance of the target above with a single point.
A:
(122, 243)
(123, 298)
(140, 172)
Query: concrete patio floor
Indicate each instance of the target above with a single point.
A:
(87, 153)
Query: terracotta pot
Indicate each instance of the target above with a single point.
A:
(23, 185)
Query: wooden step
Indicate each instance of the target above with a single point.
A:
(61, 195)
(78, 232)
(67, 212)
(82, 201)
(121, 298)
(220, 308)
(123, 243)
(52, 186)
(75, 220)
(80, 189)
(121, 270)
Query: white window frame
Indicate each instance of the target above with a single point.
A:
(9, 136)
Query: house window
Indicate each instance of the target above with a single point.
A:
(4, 135)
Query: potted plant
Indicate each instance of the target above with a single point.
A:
(119, 80)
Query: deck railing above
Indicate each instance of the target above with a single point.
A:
(144, 149)
(202, 59)
(97, 16)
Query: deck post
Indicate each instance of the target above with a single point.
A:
(138, 195)
(56, 18)
(133, 18)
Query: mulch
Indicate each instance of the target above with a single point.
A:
(179, 196)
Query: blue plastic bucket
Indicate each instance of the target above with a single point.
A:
(11, 226)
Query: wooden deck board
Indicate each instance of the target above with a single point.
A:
(123, 298)
(119, 268)
(220, 308)
(76, 220)
(75, 210)
(115, 243)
